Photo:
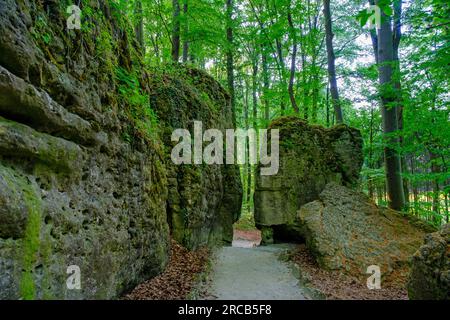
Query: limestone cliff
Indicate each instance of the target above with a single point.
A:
(85, 177)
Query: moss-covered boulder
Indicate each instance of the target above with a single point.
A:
(346, 231)
(85, 178)
(204, 200)
(310, 157)
(430, 270)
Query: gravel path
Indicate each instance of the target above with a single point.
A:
(253, 274)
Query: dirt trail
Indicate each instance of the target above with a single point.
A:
(253, 274)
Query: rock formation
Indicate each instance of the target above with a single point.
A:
(204, 201)
(311, 200)
(310, 157)
(85, 176)
(430, 269)
(346, 231)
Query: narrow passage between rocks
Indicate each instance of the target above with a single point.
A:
(254, 274)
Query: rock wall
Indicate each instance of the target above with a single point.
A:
(84, 173)
(430, 268)
(310, 157)
(204, 201)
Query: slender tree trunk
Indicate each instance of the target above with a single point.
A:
(328, 105)
(397, 34)
(254, 91)
(139, 26)
(331, 62)
(414, 187)
(304, 81)
(446, 208)
(247, 165)
(435, 183)
(282, 77)
(379, 194)
(266, 85)
(370, 160)
(185, 32)
(176, 30)
(230, 57)
(389, 113)
(293, 60)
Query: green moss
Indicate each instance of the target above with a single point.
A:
(45, 252)
(137, 107)
(31, 243)
(41, 31)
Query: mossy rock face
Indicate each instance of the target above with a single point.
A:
(85, 171)
(310, 157)
(430, 269)
(72, 191)
(204, 200)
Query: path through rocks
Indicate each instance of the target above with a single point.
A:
(243, 273)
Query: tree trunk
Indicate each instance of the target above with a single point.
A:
(185, 32)
(435, 170)
(230, 57)
(370, 160)
(389, 101)
(254, 91)
(139, 25)
(414, 187)
(294, 57)
(247, 166)
(397, 34)
(327, 102)
(331, 62)
(266, 85)
(176, 30)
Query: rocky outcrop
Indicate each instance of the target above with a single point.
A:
(85, 178)
(430, 269)
(310, 157)
(312, 200)
(346, 231)
(204, 201)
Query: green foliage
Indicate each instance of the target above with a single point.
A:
(41, 31)
(246, 222)
(262, 51)
(137, 106)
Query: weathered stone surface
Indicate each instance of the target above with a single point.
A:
(84, 179)
(21, 141)
(346, 231)
(204, 201)
(19, 100)
(13, 207)
(430, 269)
(310, 157)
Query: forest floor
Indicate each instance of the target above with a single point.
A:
(247, 271)
(331, 285)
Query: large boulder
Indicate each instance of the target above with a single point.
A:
(346, 231)
(430, 270)
(204, 201)
(310, 157)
